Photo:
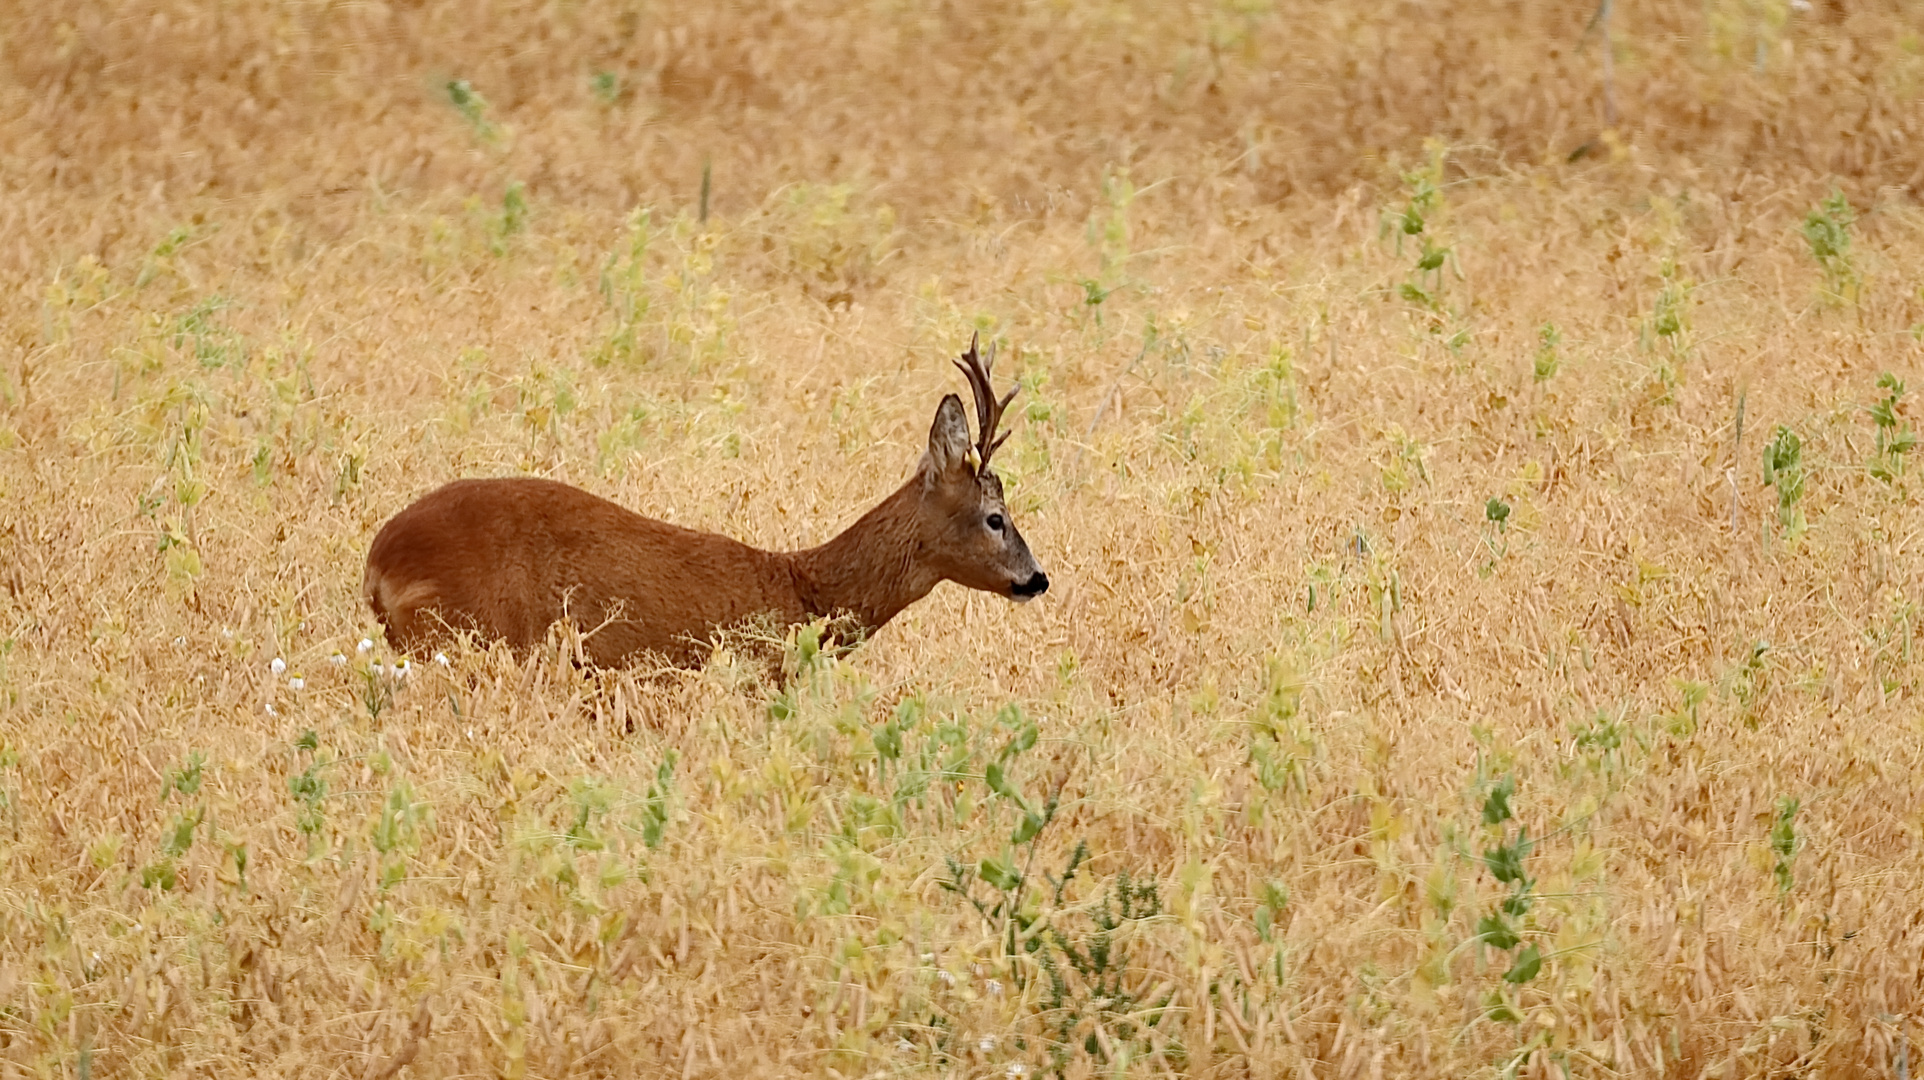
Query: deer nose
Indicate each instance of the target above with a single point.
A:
(1035, 586)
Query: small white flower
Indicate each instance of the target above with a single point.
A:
(995, 987)
(902, 1045)
(366, 646)
(1017, 1070)
(402, 669)
(470, 734)
(278, 666)
(337, 660)
(987, 1044)
(947, 979)
(227, 632)
(441, 658)
(180, 640)
(271, 710)
(297, 683)
(376, 668)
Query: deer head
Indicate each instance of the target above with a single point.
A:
(964, 530)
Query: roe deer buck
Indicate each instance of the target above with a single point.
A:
(506, 558)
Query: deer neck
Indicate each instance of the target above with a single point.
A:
(870, 571)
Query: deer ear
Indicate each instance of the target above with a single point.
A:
(949, 438)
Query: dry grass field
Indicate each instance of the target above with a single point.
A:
(1486, 543)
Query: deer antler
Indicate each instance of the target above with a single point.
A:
(988, 411)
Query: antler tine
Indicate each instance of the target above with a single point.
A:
(988, 410)
(978, 379)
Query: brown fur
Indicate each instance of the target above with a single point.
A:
(507, 558)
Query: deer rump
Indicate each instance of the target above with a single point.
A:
(507, 558)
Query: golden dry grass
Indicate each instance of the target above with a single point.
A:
(265, 281)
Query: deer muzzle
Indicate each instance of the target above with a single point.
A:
(1024, 591)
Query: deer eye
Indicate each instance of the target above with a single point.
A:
(995, 522)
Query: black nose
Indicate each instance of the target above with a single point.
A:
(1035, 586)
